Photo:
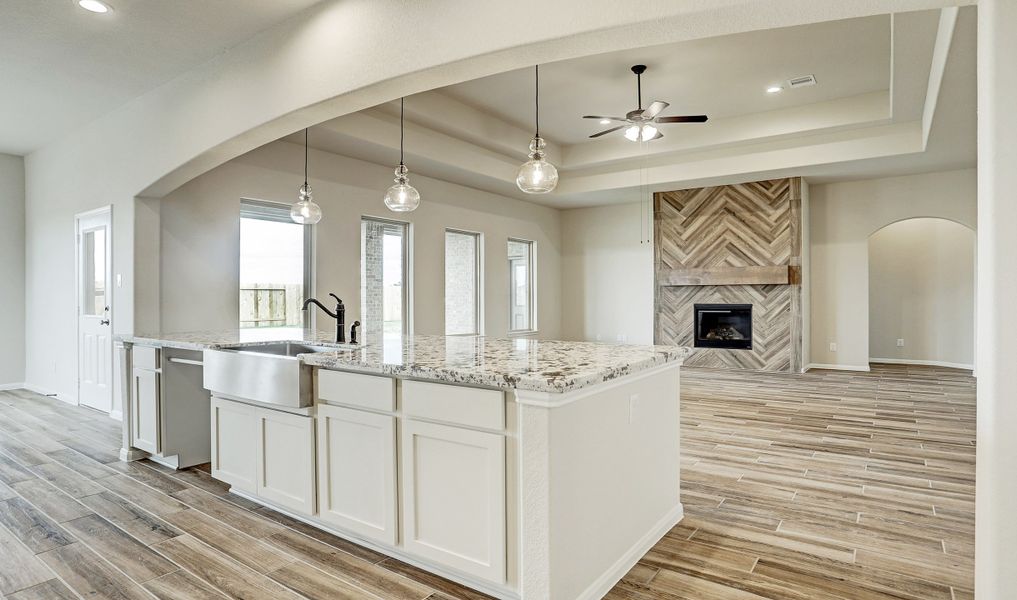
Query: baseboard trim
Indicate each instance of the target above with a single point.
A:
(46, 392)
(11, 386)
(927, 363)
(603, 584)
(116, 415)
(829, 367)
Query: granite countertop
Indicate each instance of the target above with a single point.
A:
(230, 338)
(513, 363)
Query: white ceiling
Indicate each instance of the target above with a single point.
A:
(721, 77)
(63, 66)
(863, 119)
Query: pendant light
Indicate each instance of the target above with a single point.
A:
(537, 176)
(402, 197)
(304, 211)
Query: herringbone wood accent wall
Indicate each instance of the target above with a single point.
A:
(728, 227)
(743, 225)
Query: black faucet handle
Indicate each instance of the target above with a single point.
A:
(337, 298)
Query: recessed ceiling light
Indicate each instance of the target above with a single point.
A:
(605, 121)
(773, 89)
(94, 6)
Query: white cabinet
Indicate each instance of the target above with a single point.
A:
(285, 459)
(265, 452)
(145, 411)
(357, 472)
(234, 455)
(453, 497)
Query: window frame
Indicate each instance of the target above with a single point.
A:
(478, 257)
(279, 212)
(531, 286)
(407, 267)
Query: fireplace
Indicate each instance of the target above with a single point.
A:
(723, 326)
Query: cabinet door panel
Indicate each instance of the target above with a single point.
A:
(357, 472)
(285, 459)
(234, 436)
(453, 493)
(145, 411)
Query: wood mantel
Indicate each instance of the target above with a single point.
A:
(758, 275)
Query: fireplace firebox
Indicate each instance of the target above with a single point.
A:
(723, 326)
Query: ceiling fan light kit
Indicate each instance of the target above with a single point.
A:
(537, 175)
(640, 124)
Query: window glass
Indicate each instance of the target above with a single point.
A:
(384, 300)
(274, 267)
(462, 282)
(521, 300)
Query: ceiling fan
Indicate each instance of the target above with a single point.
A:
(639, 124)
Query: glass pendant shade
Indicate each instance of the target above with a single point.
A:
(640, 133)
(305, 211)
(402, 197)
(537, 176)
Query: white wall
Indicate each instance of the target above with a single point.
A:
(922, 290)
(200, 239)
(607, 274)
(843, 216)
(12, 269)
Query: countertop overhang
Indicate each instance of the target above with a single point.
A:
(507, 363)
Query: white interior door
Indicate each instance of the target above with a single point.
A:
(95, 348)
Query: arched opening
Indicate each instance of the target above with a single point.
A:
(922, 293)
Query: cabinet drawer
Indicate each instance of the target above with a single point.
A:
(146, 357)
(354, 389)
(454, 404)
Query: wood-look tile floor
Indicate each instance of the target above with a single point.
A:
(827, 485)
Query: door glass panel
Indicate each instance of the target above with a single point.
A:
(93, 301)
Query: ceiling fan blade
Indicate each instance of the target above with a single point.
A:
(684, 119)
(619, 119)
(654, 109)
(607, 131)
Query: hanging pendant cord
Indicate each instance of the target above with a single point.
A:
(305, 157)
(401, 133)
(639, 90)
(536, 96)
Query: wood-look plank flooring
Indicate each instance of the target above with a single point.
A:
(829, 485)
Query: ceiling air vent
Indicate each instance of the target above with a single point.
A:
(804, 80)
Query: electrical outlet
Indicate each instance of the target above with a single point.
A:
(633, 407)
(120, 280)
(900, 342)
(623, 337)
(833, 346)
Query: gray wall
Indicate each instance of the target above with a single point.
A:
(200, 239)
(12, 269)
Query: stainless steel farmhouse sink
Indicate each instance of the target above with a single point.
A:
(268, 373)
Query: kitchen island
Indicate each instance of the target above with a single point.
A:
(522, 468)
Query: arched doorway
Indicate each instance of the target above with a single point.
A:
(922, 293)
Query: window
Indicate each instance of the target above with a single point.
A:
(462, 282)
(384, 275)
(275, 266)
(522, 312)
